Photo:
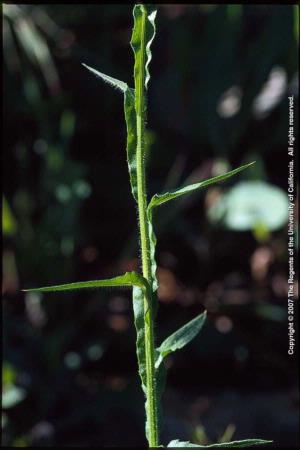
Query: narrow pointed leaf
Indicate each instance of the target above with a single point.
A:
(181, 337)
(234, 444)
(110, 80)
(159, 199)
(128, 279)
(130, 117)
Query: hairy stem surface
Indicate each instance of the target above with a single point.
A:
(151, 394)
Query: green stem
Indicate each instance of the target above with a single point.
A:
(151, 402)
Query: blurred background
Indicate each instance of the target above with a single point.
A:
(218, 98)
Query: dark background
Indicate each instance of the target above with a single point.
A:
(218, 98)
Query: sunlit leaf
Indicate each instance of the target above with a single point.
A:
(110, 80)
(153, 241)
(159, 199)
(181, 337)
(234, 444)
(128, 279)
(138, 309)
(141, 40)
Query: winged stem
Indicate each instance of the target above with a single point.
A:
(140, 106)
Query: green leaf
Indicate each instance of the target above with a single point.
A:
(110, 80)
(9, 224)
(128, 279)
(153, 241)
(130, 117)
(138, 309)
(142, 37)
(139, 312)
(159, 199)
(233, 444)
(181, 337)
(141, 40)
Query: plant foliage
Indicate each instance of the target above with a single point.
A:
(150, 359)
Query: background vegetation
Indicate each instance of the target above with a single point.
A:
(221, 76)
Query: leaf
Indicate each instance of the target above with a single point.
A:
(110, 80)
(142, 37)
(130, 117)
(181, 337)
(159, 199)
(12, 395)
(9, 224)
(153, 241)
(128, 279)
(138, 309)
(141, 40)
(233, 444)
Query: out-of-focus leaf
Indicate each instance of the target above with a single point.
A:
(271, 312)
(9, 224)
(4, 420)
(228, 433)
(8, 374)
(250, 204)
(67, 124)
(12, 395)
(181, 337)
(36, 48)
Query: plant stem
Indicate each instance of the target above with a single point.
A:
(151, 394)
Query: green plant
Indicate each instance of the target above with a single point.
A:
(150, 359)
